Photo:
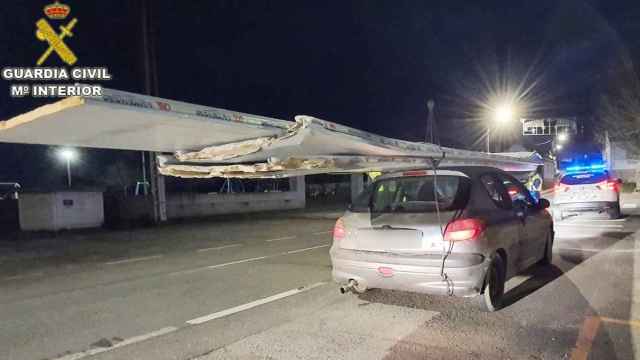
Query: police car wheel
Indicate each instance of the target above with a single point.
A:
(614, 213)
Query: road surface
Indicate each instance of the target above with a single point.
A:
(260, 288)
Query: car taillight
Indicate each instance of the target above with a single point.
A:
(338, 230)
(561, 188)
(608, 185)
(464, 229)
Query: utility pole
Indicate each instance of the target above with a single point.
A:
(158, 191)
(488, 139)
(69, 173)
(429, 136)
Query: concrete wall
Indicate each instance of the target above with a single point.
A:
(119, 209)
(549, 173)
(621, 164)
(60, 210)
(199, 205)
(187, 205)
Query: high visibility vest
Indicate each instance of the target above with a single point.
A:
(535, 182)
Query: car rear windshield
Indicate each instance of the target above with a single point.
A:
(416, 194)
(583, 178)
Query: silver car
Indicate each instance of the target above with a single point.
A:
(460, 231)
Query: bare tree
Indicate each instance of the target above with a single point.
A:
(619, 109)
(120, 174)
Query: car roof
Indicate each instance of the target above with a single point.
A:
(470, 171)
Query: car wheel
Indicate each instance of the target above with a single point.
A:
(614, 213)
(493, 289)
(548, 250)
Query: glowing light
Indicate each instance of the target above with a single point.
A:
(562, 137)
(558, 147)
(503, 113)
(67, 154)
(586, 168)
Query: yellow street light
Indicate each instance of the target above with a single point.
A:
(503, 113)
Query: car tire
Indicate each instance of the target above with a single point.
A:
(493, 288)
(615, 213)
(548, 250)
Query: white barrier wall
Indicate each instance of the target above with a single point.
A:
(188, 205)
(61, 210)
(623, 164)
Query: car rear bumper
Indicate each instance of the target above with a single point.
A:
(465, 279)
(587, 205)
(594, 207)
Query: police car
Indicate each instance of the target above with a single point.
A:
(587, 190)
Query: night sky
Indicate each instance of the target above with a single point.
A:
(367, 64)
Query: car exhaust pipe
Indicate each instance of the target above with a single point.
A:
(350, 287)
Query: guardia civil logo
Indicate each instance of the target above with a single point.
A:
(57, 12)
(49, 78)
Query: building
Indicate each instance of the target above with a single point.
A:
(622, 163)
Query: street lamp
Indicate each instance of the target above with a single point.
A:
(562, 137)
(503, 113)
(67, 155)
(500, 114)
(430, 105)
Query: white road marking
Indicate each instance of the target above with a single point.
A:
(124, 261)
(217, 266)
(322, 232)
(252, 304)
(18, 277)
(219, 247)
(191, 271)
(237, 262)
(282, 238)
(129, 341)
(307, 249)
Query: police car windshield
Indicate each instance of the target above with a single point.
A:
(584, 178)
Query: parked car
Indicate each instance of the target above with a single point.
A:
(593, 193)
(460, 231)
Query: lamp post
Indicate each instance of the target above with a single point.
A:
(430, 105)
(562, 137)
(67, 155)
(500, 115)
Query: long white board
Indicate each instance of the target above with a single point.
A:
(127, 121)
(209, 142)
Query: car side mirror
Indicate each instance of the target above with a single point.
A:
(619, 181)
(520, 208)
(543, 204)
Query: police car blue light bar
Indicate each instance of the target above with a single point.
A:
(585, 168)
